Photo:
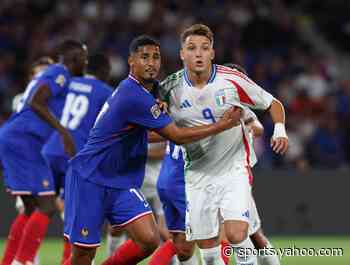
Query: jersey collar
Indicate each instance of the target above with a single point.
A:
(210, 80)
(90, 76)
(138, 82)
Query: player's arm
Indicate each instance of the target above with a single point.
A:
(253, 96)
(252, 122)
(279, 139)
(255, 127)
(39, 103)
(191, 134)
(154, 137)
(156, 153)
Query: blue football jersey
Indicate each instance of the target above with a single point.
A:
(116, 151)
(172, 170)
(85, 98)
(25, 119)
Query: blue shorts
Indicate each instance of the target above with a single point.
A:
(174, 206)
(58, 166)
(87, 205)
(25, 169)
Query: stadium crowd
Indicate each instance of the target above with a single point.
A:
(262, 37)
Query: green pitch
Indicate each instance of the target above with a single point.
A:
(51, 250)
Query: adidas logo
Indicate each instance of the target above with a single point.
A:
(185, 104)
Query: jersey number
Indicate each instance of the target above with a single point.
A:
(176, 151)
(25, 95)
(208, 114)
(74, 110)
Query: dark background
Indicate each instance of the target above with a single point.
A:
(296, 50)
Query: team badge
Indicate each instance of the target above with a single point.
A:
(60, 80)
(220, 98)
(155, 110)
(84, 232)
(45, 183)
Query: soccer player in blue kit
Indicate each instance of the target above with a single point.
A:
(85, 98)
(104, 178)
(36, 67)
(21, 140)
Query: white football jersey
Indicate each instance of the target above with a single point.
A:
(189, 106)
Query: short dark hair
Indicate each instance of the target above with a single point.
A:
(237, 67)
(68, 45)
(96, 62)
(198, 29)
(140, 41)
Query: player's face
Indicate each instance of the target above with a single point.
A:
(197, 53)
(145, 63)
(80, 61)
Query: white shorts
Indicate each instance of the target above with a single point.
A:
(254, 219)
(228, 198)
(151, 195)
(149, 187)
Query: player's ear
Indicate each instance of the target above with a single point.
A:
(181, 54)
(131, 60)
(212, 56)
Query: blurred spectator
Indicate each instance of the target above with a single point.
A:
(262, 36)
(326, 146)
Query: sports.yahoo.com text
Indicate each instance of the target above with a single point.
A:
(293, 251)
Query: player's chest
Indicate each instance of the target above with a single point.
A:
(206, 104)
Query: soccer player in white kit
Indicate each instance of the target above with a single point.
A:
(255, 129)
(217, 175)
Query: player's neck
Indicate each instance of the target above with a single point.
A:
(141, 81)
(148, 86)
(199, 80)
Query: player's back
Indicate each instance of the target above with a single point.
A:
(85, 98)
(25, 120)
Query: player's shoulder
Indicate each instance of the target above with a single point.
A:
(172, 80)
(129, 90)
(227, 73)
(58, 73)
(56, 69)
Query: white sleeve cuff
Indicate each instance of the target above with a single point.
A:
(279, 131)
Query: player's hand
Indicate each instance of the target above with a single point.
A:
(68, 143)
(279, 145)
(231, 117)
(162, 105)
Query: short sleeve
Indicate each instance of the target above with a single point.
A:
(249, 93)
(144, 110)
(56, 78)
